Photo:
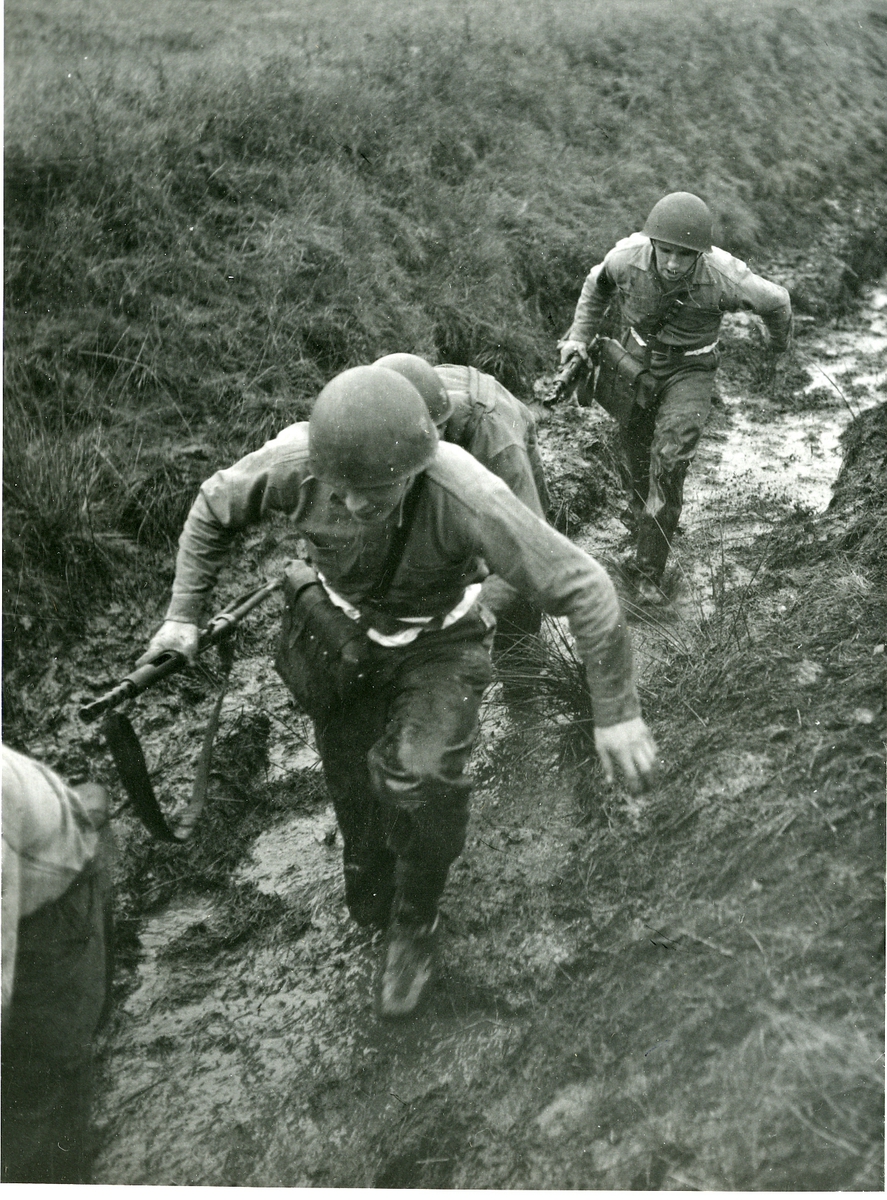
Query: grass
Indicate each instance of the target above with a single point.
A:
(205, 221)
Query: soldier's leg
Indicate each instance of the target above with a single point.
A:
(419, 764)
(419, 767)
(636, 438)
(679, 420)
(344, 736)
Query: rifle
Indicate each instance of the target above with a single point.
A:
(121, 737)
(142, 678)
(569, 376)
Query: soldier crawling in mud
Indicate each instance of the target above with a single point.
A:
(673, 288)
(476, 412)
(401, 530)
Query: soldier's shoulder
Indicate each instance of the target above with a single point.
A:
(634, 250)
(722, 261)
(459, 473)
(291, 441)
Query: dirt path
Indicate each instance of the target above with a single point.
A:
(259, 1062)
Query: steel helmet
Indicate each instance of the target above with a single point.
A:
(370, 427)
(681, 219)
(425, 380)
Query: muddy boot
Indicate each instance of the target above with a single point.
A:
(650, 593)
(369, 888)
(410, 961)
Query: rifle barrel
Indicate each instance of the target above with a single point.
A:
(168, 663)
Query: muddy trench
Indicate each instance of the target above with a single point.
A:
(259, 1061)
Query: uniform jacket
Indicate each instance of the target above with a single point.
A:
(467, 523)
(495, 427)
(719, 283)
(48, 839)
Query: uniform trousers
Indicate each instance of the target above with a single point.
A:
(394, 755)
(659, 443)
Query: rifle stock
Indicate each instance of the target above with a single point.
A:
(166, 664)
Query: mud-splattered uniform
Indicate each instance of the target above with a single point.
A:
(500, 431)
(55, 925)
(674, 332)
(395, 752)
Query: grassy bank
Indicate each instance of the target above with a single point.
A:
(209, 214)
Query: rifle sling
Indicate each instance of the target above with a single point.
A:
(129, 760)
(398, 542)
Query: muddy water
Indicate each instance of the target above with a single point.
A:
(265, 1065)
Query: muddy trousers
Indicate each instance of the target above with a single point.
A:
(659, 443)
(59, 997)
(395, 756)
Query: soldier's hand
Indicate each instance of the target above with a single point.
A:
(630, 747)
(569, 348)
(173, 637)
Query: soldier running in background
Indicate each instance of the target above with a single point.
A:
(673, 288)
(366, 472)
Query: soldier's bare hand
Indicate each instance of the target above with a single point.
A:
(628, 746)
(173, 637)
(569, 349)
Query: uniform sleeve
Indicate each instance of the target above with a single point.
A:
(47, 841)
(597, 292)
(11, 888)
(563, 580)
(232, 500)
(746, 291)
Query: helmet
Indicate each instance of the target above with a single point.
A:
(425, 379)
(681, 219)
(370, 427)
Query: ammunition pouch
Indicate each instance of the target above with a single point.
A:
(323, 655)
(622, 382)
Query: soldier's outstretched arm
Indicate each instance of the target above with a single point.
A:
(630, 747)
(564, 581)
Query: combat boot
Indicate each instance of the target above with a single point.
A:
(650, 593)
(410, 962)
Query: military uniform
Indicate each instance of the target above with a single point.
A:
(56, 926)
(673, 331)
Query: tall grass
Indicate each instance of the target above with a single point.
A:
(203, 226)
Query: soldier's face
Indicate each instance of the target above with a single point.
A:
(673, 261)
(372, 504)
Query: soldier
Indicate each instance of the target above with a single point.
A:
(673, 288)
(474, 410)
(365, 473)
(56, 962)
